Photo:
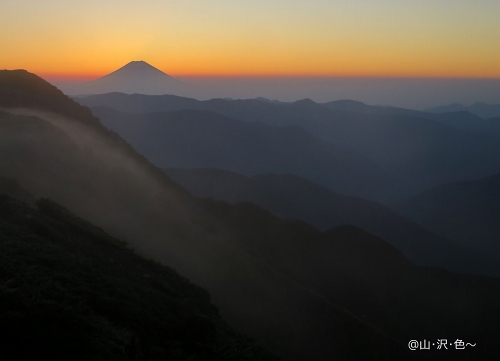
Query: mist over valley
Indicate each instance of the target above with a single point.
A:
(308, 224)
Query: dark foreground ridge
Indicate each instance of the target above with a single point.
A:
(70, 291)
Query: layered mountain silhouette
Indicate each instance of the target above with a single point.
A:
(420, 150)
(302, 293)
(468, 212)
(97, 175)
(293, 197)
(193, 138)
(134, 77)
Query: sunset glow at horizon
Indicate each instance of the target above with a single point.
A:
(293, 38)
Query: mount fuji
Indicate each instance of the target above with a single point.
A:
(135, 77)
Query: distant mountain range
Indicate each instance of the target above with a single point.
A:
(194, 138)
(302, 293)
(482, 110)
(419, 150)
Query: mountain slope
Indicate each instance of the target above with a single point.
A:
(20, 89)
(68, 291)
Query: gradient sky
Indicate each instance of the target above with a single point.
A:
(409, 38)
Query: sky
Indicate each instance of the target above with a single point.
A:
(271, 38)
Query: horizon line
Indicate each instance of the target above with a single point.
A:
(90, 77)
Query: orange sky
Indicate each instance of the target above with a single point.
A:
(445, 38)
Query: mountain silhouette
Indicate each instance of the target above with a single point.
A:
(303, 293)
(134, 77)
(94, 173)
